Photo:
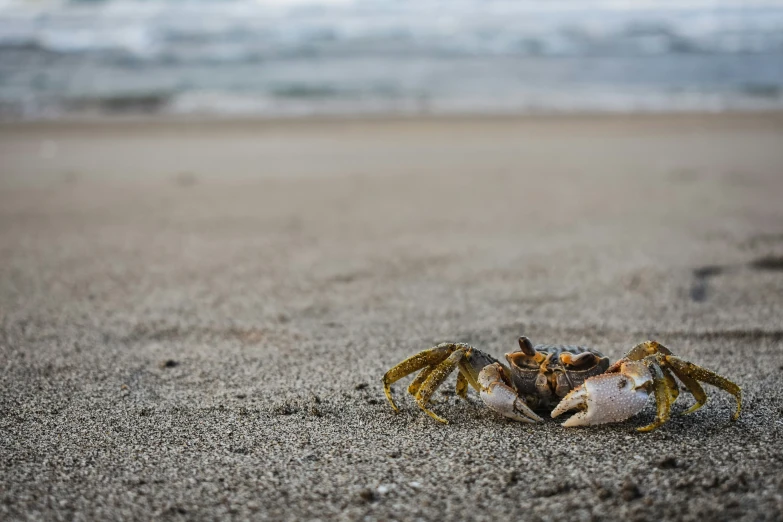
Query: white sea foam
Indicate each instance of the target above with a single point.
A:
(145, 29)
(327, 55)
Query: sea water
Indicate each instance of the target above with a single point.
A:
(298, 57)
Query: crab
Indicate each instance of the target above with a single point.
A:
(558, 379)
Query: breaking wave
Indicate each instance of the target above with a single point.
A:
(378, 55)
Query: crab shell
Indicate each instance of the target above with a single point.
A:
(544, 374)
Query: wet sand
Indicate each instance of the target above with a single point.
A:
(195, 316)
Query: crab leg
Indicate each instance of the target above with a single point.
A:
(702, 374)
(639, 352)
(416, 383)
(462, 384)
(470, 374)
(431, 357)
(671, 384)
(664, 396)
(501, 397)
(694, 387)
(435, 379)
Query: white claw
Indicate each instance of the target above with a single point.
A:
(504, 400)
(501, 398)
(611, 397)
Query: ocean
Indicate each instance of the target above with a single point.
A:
(284, 58)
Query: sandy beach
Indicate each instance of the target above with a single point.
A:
(195, 316)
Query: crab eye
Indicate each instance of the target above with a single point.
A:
(521, 360)
(581, 360)
(526, 346)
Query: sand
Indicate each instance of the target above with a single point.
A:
(195, 316)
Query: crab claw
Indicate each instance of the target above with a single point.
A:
(502, 398)
(610, 397)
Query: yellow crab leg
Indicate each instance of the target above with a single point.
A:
(430, 357)
(462, 384)
(694, 387)
(470, 375)
(704, 375)
(671, 384)
(638, 353)
(642, 350)
(435, 379)
(663, 396)
(413, 389)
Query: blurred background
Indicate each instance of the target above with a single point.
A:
(221, 222)
(304, 57)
